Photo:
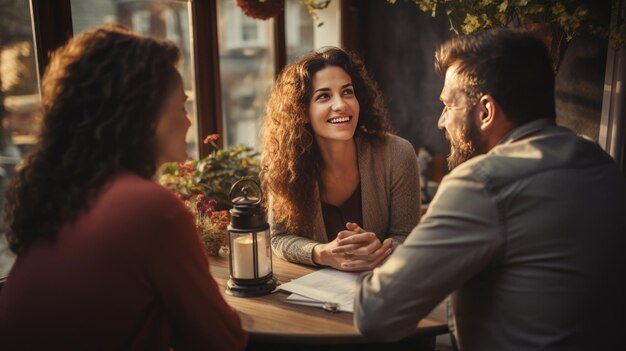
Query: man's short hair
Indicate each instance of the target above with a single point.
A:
(512, 66)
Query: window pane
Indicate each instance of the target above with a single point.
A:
(169, 19)
(246, 71)
(19, 100)
(299, 29)
(303, 34)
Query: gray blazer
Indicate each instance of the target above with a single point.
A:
(390, 200)
(530, 238)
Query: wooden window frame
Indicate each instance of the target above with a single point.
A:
(207, 67)
(280, 44)
(612, 136)
(52, 23)
(53, 27)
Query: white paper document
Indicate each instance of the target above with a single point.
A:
(325, 285)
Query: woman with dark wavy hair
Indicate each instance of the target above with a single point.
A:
(342, 190)
(107, 258)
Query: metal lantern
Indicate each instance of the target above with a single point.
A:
(249, 242)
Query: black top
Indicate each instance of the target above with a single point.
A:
(336, 217)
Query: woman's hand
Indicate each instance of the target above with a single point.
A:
(361, 250)
(323, 255)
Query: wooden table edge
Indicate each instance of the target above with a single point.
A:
(347, 338)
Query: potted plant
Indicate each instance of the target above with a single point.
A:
(204, 185)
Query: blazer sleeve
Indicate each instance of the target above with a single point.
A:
(290, 247)
(404, 197)
(178, 267)
(458, 237)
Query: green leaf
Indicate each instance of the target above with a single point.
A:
(503, 6)
(471, 24)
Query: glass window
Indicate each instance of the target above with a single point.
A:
(169, 19)
(299, 28)
(327, 29)
(19, 100)
(304, 34)
(246, 72)
(250, 32)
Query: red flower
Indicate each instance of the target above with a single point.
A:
(261, 9)
(211, 138)
(221, 218)
(186, 169)
(204, 205)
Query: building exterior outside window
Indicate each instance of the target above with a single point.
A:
(246, 72)
(168, 19)
(19, 101)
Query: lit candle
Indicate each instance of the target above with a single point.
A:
(243, 259)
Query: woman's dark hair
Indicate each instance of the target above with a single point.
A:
(291, 161)
(101, 93)
(513, 66)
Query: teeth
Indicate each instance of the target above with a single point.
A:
(339, 120)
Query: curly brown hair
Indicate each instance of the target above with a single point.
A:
(291, 163)
(101, 94)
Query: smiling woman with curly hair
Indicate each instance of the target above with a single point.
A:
(107, 258)
(342, 190)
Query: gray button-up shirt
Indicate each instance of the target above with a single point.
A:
(530, 239)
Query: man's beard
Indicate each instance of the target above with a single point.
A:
(466, 144)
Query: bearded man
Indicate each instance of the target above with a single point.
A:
(527, 233)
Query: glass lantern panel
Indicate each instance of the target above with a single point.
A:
(241, 246)
(265, 252)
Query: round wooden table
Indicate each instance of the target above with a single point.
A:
(271, 319)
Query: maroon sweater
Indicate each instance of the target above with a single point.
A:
(128, 274)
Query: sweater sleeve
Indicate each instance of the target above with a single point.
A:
(293, 248)
(178, 267)
(405, 202)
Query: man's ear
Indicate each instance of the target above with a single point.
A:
(487, 110)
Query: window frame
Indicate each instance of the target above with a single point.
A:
(52, 24)
(208, 85)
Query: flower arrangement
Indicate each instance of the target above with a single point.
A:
(212, 225)
(204, 186)
(261, 9)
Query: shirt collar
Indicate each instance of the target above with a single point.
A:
(526, 129)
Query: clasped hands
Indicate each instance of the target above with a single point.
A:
(354, 249)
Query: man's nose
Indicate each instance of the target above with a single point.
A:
(441, 121)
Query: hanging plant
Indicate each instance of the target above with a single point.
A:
(261, 9)
(314, 5)
(568, 17)
(556, 22)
